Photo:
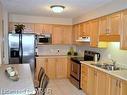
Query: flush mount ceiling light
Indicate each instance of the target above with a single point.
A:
(57, 8)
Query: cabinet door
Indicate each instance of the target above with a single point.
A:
(61, 67)
(103, 26)
(29, 28)
(84, 78)
(67, 35)
(124, 32)
(91, 82)
(57, 35)
(123, 87)
(115, 24)
(94, 33)
(43, 28)
(114, 87)
(51, 68)
(77, 31)
(101, 83)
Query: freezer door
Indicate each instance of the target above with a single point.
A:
(28, 47)
(14, 48)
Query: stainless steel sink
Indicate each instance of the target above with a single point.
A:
(108, 67)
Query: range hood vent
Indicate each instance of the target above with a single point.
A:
(83, 39)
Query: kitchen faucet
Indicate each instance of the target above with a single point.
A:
(113, 62)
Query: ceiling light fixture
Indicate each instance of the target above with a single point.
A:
(57, 8)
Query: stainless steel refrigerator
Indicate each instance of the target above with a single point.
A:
(22, 49)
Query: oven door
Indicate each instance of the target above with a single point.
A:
(75, 70)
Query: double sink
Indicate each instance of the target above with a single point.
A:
(109, 67)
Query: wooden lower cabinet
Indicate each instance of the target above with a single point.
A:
(118, 87)
(96, 82)
(54, 67)
(84, 78)
(61, 68)
(51, 68)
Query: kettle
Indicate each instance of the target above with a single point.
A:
(97, 57)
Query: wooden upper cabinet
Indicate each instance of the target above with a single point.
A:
(29, 27)
(43, 28)
(110, 27)
(124, 31)
(115, 24)
(57, 36)
(67, 35)
(103, 25)
(94, 33)
(62, 34)
(87, 28)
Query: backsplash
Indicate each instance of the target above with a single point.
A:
(54, 49)
(113, 51)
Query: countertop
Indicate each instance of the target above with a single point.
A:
(122, 74)
(24, 85)
(47, 56)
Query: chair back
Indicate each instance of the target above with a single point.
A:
(40, 74)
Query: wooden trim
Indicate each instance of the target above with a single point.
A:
(109, 38)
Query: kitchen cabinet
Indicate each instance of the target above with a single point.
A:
(61, 68)
(92, 81)
(94, 34)
(124, 31)
(114, 85)
(84, 78)
(48, 64)
(55, 67)
(110, 27)
(76, 32)
(123, 87)
(118, 86)
(43, 28)
(29, 27)
(62, 34)
(86, 29)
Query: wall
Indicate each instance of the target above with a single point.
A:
(39, 19)
(101, 11)
(113, 50)
(0, 32)
(3, 34)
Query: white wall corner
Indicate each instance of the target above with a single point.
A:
(39, 19)
(101, 11)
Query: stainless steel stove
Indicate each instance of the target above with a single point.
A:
(75, 68)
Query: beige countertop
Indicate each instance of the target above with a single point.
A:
(122, 74)
(24, 85)
(47, 56)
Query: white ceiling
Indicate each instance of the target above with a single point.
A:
(74, 8)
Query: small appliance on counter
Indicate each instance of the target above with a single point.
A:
(75, 68)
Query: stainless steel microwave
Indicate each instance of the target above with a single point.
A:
(44, 39)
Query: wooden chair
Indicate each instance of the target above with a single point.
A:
(40, 75)
(44, 83)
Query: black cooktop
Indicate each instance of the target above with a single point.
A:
(88, 56)
(77, 59)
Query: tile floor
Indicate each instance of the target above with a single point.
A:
(62, 87)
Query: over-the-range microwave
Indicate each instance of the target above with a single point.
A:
(44, 39)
